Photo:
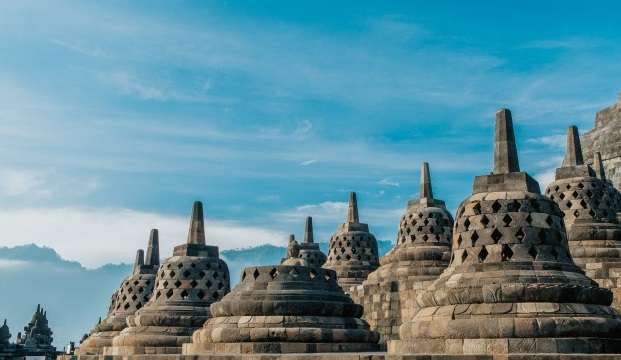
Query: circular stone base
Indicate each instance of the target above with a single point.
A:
(96, 342)
(276, 348)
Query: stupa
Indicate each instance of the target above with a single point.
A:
(5, 336)
(134, 292)
(37, 335)
(186, 285)
(284, 309)
(353, 249)
(422, 251)
(308, 249)
(511, 286)
(590, 206)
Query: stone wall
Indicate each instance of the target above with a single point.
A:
(606, 138)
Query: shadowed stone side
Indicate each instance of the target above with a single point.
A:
(308, 250)
(422, 251)
(132, 295)
(186, 285)
(284, 309)
(511, 286)
(589, 205)
(352, 250)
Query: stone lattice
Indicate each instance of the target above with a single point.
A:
(284, 309)
(511, 286)
(352, 250)
(308, 250)
(421, 253)
(589, 204)
(186, 285)
(134, 292)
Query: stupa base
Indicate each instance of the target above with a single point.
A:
(96, 343)
(276, 348)
(496, 346)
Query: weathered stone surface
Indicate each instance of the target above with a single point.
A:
(589, 204)
(284, 309)
(422, 251)
(307, 253)
(511, 286)
(186, 285)
(134, 292)
(352, 250)
(606, 139)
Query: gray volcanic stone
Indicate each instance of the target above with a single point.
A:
(606, 139)
(422, 251)
(186, 286)
(132, 295)
(511, 286)
(589, 204)
(352, 250)
(284, 309)
(308, 250)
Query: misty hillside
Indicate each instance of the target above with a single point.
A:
(75, 296)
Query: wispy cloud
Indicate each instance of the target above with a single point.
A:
(308, 162)
(557, 141)
(388, 182)
(575, 43)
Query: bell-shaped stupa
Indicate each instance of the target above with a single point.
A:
(590, 206)
(37, 335)
(422, 251)
(5, 336)
(279, 309)
(353, 249)
(134, 292)
(309, 250)
(511, 286)
(186, 285)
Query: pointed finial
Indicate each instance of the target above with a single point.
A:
(573, 154)
(38, 307)
(291, 237)
(598, 166)
(196, 234)
(352, 212)
(153, 249)
(425, 182)
(505, 151)
(99, 321)
(308, 231)
(139, 260)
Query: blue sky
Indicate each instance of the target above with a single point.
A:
(115, 116)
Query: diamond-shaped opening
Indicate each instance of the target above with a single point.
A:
(192, 265)
(506, 253)
(583, 204)
(414, 222)
(459, 240)
(138, 306)
(461, 211)
(140, 290)
(561, 195)
(532, 252)
(209, 283)
(556, 188)
(568, 186)
(348, 257)
(172, 273)
(136, 282)
(588, 193)
(549, 220)
(169, 293)
(187, 273)
(273, 273)
(426, 222)
(220, 285)
(529, 219)
(425, 237)
(158, 294)
(177, 283)
(477, 208)
(130, 290)
(496, 206)
(592, 213)
(581, 185)
(126, 306)
(574, 194)
(520, 234)
(312, 273)
(180, 265)
(134, 297)
(569, 204)
(483, 254)
(419, 229)
(496, 236)
(165, 283)
(513, 206)
(507, 220)
(255, 274)
(184, 294)
(464, 256)
(467, 223)
(200, 294)
(576, 213)
(484, 221)
(193, 283)
(243, 276)
(215, 296)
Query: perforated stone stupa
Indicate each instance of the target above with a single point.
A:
(353, 249)
(134, 292)
(37, 335)
(590, 206)
(284, 309)
(186, 285)
(511, 286)
(308, 249)
(422, 251)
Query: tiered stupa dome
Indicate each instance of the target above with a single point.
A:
(283, 308)
(422, 251)
(37, 335)
(511, 286)
(353, 249)
(308, 250)
(134, 292)
(589, 204)
(186, 285)
(5, 336)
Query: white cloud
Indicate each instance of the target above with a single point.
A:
(8, 264)
(19, 182)
(545, 178)
(308, 162)
(557, 141)
(98, 236)
(388, 182)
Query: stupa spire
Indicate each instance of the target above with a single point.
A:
(598, 166)
(153, 249)
(139, 260)
(425, 182)
(308, 231)
(196, 234)
(505, 151)
(573, 155)
(352, 212)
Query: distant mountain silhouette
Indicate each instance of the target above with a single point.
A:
(75, 296)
